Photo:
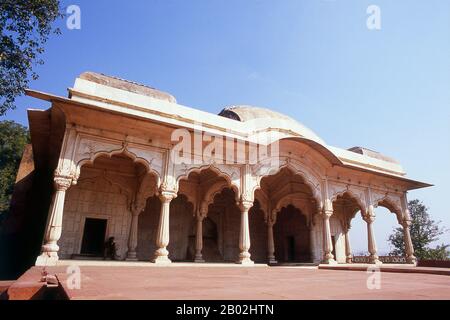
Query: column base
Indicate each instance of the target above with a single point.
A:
(47, 259)
(329, 261)
(375, 260)
(272, 261)
(131, 256)
(131, 259)
(411, 260)
(199, 260)
(246, 262)
(162, 260)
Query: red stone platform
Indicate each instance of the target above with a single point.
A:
(188, 281)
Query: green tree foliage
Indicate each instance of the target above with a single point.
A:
(13, 138)
(25, 26)
(424, 231)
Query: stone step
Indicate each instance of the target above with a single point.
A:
(4, 286)
(294, 264)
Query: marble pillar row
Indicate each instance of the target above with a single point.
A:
(49, 250)
(244, 234)
(162, 236)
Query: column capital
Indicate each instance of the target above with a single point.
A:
(326, 214)
(136, 211)
(369, 218)
(62, 183)
(245, 205)
(271, 219)
(202, 213)
(346, 225)
(406, 223)
(167, 195)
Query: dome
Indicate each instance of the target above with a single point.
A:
(269, 119)
(244, 113)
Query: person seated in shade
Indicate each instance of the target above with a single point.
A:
(110, 250)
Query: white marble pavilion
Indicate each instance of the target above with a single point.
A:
(111, 147)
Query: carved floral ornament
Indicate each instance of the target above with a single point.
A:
(62, 183)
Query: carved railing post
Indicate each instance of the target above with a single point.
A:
(409, 249)
(162, 236)
(244, 234)
(369, 218)
(201, 215)
(49, 251)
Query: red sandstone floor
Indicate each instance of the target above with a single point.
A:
(111, 282)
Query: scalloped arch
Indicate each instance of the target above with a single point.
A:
(123, 150)
(216, 189)
(289, 200)
(390, 204)
(297, 169)
(215, 169)
(361, 203)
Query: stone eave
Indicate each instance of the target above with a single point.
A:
(239, 130)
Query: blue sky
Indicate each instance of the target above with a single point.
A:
(315, 60)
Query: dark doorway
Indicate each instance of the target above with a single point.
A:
(290, 249)
(291, 236)
(93, 237)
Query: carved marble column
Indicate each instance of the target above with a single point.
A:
(270, 242)
(409, 249)
(49, 251)
(162, 236)
(369, 218)
(348, 249)
(244, 234)
(133, 237)
(328, 257)
(199, 235)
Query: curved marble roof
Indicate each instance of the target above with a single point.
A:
(246, 122)
(269, 119)
(130, 86)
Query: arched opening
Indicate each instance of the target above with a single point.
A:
(147, 229)
(346, 222)
(181, 225)
(210, 191)
(225, 215)
(288, 196)
(292, 238)
(387, 220)
(258, 233)
(98, 206)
